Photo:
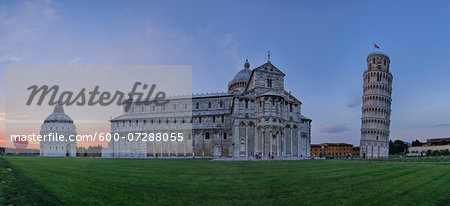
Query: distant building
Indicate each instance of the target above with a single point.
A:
(435, 144)
(438, 141)
(335, 149)
(316, 150)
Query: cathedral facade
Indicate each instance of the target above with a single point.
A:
(256, 117)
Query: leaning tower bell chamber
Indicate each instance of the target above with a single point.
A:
(376, 107)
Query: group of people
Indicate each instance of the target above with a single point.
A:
(259, 156)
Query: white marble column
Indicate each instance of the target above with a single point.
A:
(271, 141)
(193, 143)
(185, 140)
(255, 140)
(247, 133)
(202, 135)
(168, 145)
(292, 147)
(154, 149)
(278, 144)
(283, 138)
(176, 145)
(236, 141)
(263, 134)
(299, 138)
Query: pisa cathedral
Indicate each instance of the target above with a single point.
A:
(255, 117)
(376, 107)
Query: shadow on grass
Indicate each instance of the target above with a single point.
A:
(18, 189)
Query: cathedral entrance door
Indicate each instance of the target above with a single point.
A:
(216, 150)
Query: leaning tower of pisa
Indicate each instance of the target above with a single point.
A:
(376, 107)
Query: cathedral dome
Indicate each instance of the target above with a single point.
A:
(241, 79)
(58, 115)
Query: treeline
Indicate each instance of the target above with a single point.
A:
(397, 147)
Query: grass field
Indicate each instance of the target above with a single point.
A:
(410, 159)
(87, 181)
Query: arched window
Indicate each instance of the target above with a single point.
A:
(224, 135)
(207, 135)
(221, 104)
(269, 83)
(209, 104)
(197, 105)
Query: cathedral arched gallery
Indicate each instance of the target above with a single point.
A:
(256, 117)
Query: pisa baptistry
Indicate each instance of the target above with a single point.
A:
(376, 107)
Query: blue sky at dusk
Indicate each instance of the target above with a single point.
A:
(321, 46)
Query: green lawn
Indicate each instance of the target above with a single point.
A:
(410, 159)
(87, 181)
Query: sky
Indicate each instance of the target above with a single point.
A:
(321, 46)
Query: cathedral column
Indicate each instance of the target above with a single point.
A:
(299, 138)
(270, 140)
(292, 147)
(154, 149)
(203, 143)
(168, 146)
(263, 134)
(185, 143)
(255, 140)
(220, 144)
(193, 143)
(247, 133)
(161, 147)
(284, 140)
(176, 146)
(236, 141)
(278, 144)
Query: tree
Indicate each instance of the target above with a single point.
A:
(397, 147)
(416, 143)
